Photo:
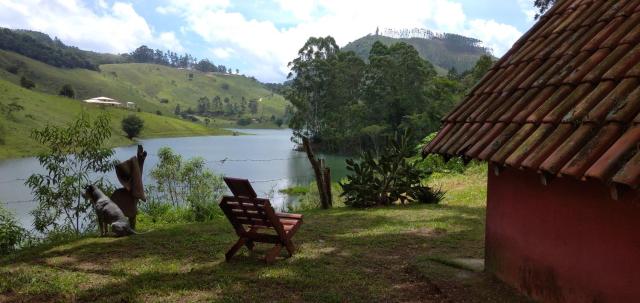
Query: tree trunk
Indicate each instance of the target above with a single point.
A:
(327, 185)
(317, 169)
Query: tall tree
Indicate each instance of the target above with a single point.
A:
(310, 75)
(543, 6)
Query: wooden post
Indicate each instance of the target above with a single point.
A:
(317, 169)
(327, 184)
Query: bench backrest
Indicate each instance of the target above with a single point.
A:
(240, 187)
(245, 209)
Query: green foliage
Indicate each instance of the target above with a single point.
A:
(26, 83)
(8, 109)
(41, 47)
(387, 178)
(11, 233)
(543, 6)
(132, 125)
(188, 183)
(445, 51)
(75, 157)
(3, 133)
(344, 104)
(67, 91)
(295, 190)
(434, 163)
(244, 121)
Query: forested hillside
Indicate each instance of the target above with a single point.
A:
(41, 47)
(347, 104)
(444, 51)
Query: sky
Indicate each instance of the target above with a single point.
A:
(258, 37)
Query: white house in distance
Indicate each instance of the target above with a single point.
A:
(109, 102)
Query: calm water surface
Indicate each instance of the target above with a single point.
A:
(266, 158)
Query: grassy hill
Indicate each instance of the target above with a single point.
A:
(443, 52)
(146, 85)
(41, 109)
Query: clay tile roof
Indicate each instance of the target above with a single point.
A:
(564, 100)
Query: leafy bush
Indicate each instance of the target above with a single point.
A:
(182, 183)
(67, 91)
(244, 121)
(11, 233)
(434, 163)
(225, 86)
(132, 125)
(26, 83)
(387, 178)
(75, 157)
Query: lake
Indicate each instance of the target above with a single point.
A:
(266, 157)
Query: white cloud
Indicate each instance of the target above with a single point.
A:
(168, 41)
(527, 8)
(497, 36)
(117, 28)
(222, 52)
(267, 48)
(300, 9)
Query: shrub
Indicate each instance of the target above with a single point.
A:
(132, 125)
(225, 86)
(75, 156)
(67, 91)
(164, 100)
(434, 163)
(26, 83)
(13, 69)
(182, 183)
(11, 233)
(158, 112)
(244, 121)
(387, 178)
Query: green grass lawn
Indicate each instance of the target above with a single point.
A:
(387, 254)
(41, 109)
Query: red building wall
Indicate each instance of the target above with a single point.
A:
(564, 242)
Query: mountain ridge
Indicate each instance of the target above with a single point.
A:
(444, 51)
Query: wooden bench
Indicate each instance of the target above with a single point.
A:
(254, 220)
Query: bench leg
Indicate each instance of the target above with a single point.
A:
(272, 254)
(290, 247)
(234, 249)
(249, 244)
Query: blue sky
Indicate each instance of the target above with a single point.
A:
(258, 37)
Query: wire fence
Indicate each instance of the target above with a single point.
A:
(295, 179)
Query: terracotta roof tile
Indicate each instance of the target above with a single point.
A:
(626, 109)
(614, 158)
(582, 160)
(630, 173)
(617, 97)
(565, 99)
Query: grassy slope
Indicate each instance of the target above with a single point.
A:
(345, 255)
(41, 109)
(144, 84)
